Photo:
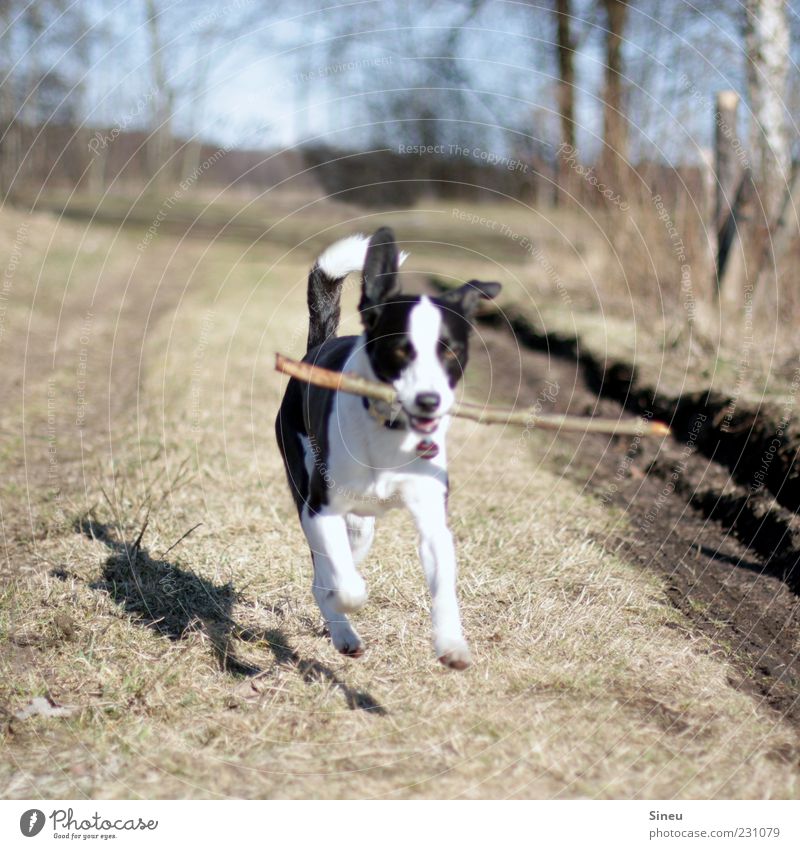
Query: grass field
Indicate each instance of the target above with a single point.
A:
(141, 401)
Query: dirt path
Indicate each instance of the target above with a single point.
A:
(191, 655)
(75, 338)
(724, 588)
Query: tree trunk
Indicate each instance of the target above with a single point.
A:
(786, 225)
(565, 46)
(727, 164)
(615, 124)
(767, 43)
(159, 141)
(729, 197)
(766, 34)
(565, 96)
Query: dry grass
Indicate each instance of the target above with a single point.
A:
(633, 283)
(586, 682)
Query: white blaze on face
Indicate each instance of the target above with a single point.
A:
(425, 373)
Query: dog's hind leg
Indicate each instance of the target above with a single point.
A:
(338, 588)
(360, 533)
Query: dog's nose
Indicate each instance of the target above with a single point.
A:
(428, 402)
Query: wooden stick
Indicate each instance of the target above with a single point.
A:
(353, 384)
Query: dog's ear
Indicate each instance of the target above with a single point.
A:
(467, 297)
(380, 275)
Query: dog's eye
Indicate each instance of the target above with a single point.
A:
(401, 354)
(448, 355)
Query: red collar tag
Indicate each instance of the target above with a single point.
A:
(427, 449)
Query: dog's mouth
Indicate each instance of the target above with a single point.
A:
(422, 424)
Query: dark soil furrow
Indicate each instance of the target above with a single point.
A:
(727, 555)
(758, 445)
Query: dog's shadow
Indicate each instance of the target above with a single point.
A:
(175, 602)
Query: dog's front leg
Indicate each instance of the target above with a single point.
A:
(438, 556)
(337, 588)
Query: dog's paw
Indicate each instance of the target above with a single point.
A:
(345, 640)
(350, 598)
(354, 650)
(454, 654)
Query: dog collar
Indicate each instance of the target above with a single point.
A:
(391, 424)
(426, 449)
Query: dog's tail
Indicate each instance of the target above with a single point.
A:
(325, 286)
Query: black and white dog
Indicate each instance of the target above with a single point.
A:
(349, 460)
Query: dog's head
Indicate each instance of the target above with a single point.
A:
(417, 344)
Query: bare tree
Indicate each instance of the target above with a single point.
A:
(767, 42)
(9, 132)
(759, 207)
(565, 48)
(160, 140)
(615, 123)
(766, 35)
(42, 65)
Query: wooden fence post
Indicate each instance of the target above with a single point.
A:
(731, 198)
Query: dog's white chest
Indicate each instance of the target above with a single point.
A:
(372, 469)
